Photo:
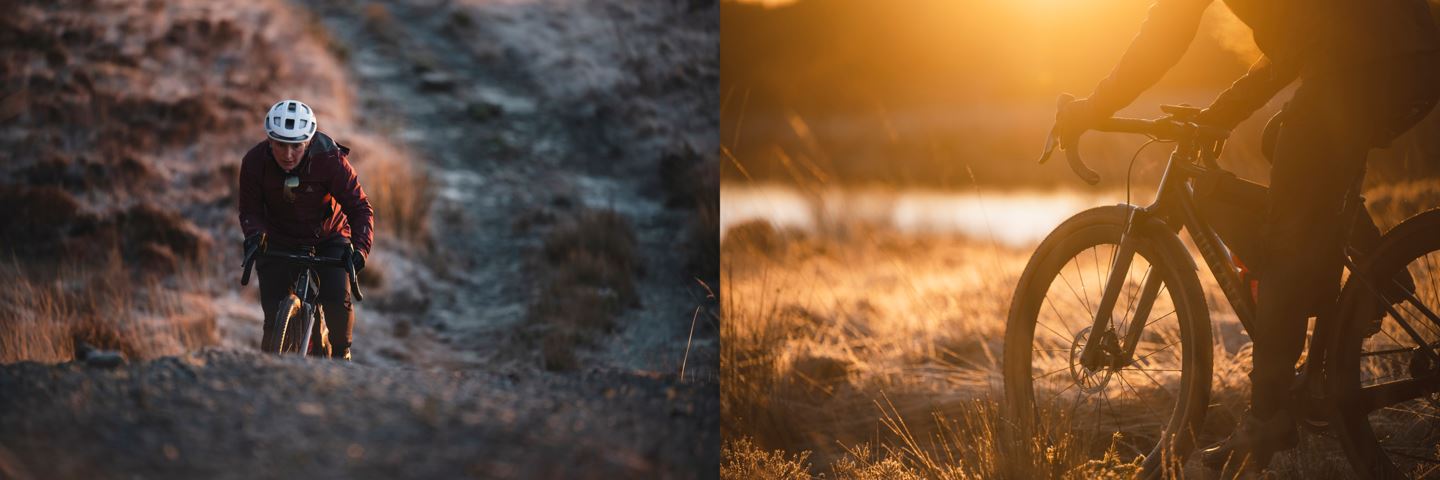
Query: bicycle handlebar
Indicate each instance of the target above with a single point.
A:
(308, 261)
(1174, 127)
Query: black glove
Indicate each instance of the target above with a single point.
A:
(1078, 116)
(254, 243)
(358, 260)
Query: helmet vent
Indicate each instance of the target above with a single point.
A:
(290, 121)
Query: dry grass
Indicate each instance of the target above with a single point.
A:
(741, 458)
(815, 329)
(587, 277)
(43, 313)
(398, 185)
(860, 352)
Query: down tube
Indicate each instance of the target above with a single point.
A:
(1217, 257)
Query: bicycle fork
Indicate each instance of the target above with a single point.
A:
(1092, 357)
(307, 311)
(1217, 258)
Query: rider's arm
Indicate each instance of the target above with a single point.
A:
(345, 187)
(1163, 39)
(252, 203)
(1249, 93)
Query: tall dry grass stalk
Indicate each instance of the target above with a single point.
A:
(45, 311)
(399, 187)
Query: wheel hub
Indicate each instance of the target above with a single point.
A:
(1086, 379)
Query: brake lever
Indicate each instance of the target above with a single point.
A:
(1051, 141)
(350, 269)
(249, 262)
(1071, 146)
(1072, 154)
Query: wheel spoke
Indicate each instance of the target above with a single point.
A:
(1148, 355)
(1052, 372)
(1082, 302)
(1057, 315)
(1083, 287)
(1157, 383)
(1162, 317)
(1375, 397)
(1062, 391)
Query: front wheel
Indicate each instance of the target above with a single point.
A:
(273, 338)
(290, 323)
(1383, 370)
(1150, 402)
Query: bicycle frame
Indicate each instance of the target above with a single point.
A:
(1175, 207)
(309, 261)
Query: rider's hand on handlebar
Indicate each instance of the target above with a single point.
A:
(254, 243)
(1075, 117)
(358, 260)
(1217, 118)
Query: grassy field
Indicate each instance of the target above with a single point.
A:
(858, 351)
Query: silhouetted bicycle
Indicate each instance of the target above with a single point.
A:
(299, 327)
(1075, 361)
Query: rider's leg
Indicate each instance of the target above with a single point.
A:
(1332, 123)
(1317, 157)
(1320, 154)
(335, 300)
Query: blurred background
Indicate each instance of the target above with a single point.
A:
(915, 95)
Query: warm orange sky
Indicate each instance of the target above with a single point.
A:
(876, 81)
(986, 47)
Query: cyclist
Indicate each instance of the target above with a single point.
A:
(297, 189)
(1369, 70)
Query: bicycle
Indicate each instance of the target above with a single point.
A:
(308, 336)
(1372, 367)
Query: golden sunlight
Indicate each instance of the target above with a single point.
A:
(769, 3)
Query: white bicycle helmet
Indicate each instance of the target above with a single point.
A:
(290, 121)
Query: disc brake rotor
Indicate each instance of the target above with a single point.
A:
(1087, 380)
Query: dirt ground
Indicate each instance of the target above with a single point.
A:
(230, 414)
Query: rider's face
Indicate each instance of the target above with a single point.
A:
(288, 155)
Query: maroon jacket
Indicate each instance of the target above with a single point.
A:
(328, 204)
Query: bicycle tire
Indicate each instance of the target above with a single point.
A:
(273, 341)
(1160, 248)
(292, 316)
(1383, 442)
